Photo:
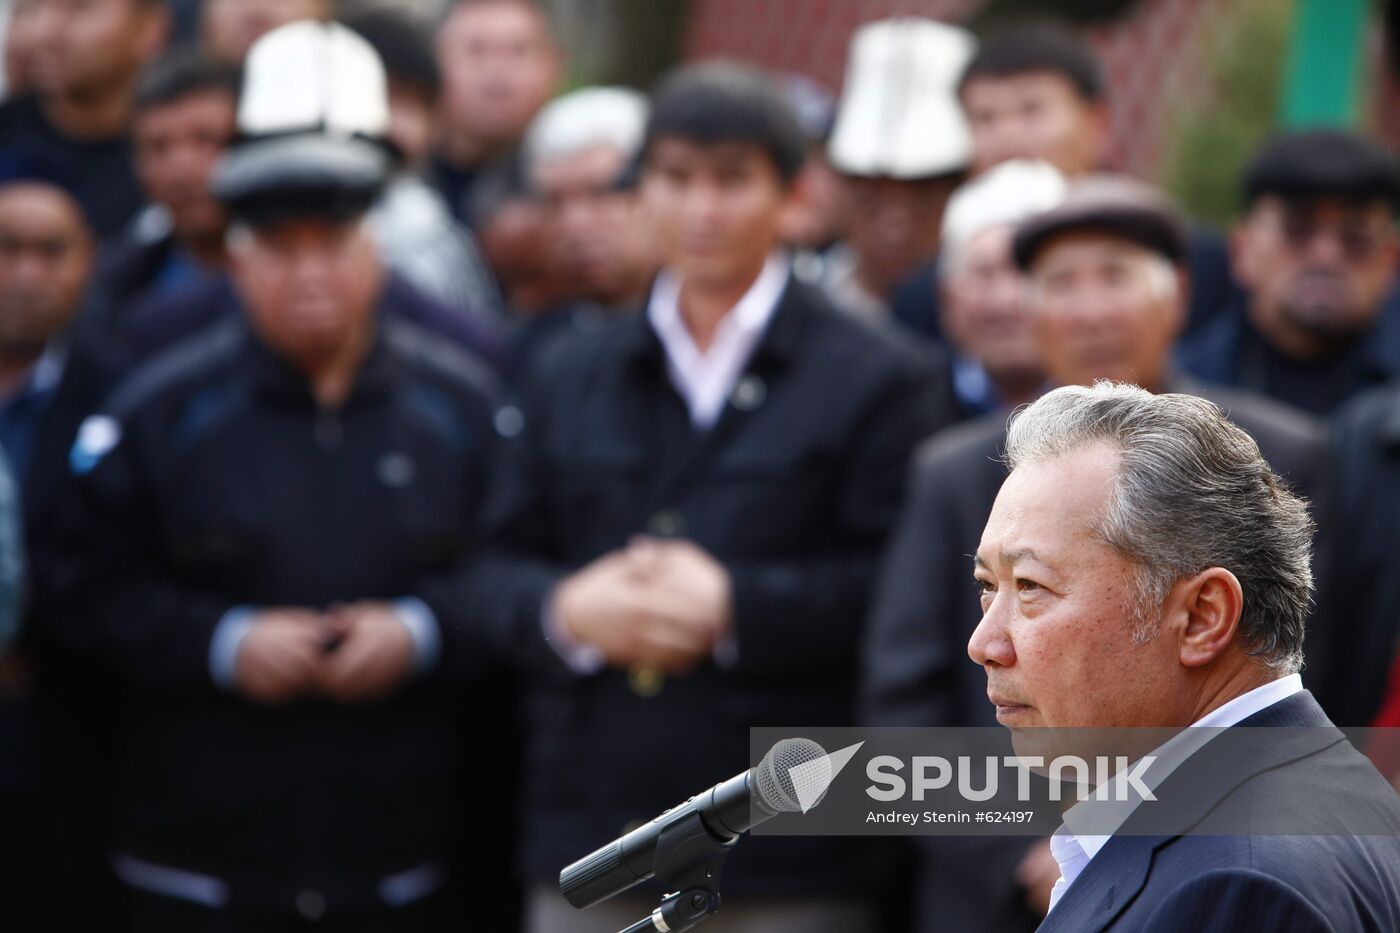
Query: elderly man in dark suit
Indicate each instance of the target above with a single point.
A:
(1108, 294)
(1144, 567)
(692, 518)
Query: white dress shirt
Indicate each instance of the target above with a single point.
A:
(706, 379)
(1073, 851)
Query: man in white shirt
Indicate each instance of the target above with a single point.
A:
(693, 503)
(1143, 567)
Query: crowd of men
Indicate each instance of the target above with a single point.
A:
(415, 477)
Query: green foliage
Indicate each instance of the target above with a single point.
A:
(1217, 121)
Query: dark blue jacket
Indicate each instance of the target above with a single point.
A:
(793, 491)
(1229, 351)
(226, 484)
(1303, 883)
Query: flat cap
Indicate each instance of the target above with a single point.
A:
(1114, 204)
(1317, 163)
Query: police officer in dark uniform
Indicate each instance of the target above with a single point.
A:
(264, 518)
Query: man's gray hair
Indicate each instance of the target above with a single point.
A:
(1192, 492)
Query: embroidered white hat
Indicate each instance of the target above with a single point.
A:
(899, 115)
(312, 119)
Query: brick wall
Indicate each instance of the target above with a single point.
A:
(1147, 55)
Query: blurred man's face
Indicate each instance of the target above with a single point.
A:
(895, 226)
(309, 286)
(45, 261)
(176, 146)
(605, 245)
(518, 244)
(1060, 610)
(984, 308)
(499, 66)
(1318, 268)
(717, 208)
(819, 212)
(1104, 308)
(88, 47)
(230, 27)
(1035, 115)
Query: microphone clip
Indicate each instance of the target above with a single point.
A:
(690, 859)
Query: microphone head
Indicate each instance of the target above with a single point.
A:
(793, 777)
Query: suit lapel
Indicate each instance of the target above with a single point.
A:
(774, 350)
(1107, 886)
(1115, 877)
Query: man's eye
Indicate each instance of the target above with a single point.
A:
(985, 586)
(1025, 585)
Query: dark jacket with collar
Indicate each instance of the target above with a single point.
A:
(227, 485)
(793, 490)
(915, 670)
(1229, 351)
(1218, 883)
(127, 272)
(1366, 438)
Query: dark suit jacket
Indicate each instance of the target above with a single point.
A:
(915, 669)
(1366, 438)
(1226, 884)
(794, 490)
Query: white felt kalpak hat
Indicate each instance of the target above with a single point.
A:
(312, 118)
(899, 115)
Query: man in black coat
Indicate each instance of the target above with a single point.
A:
(184, 119)
(1108, 293)
(692, 516)
(48, 388)
(1317, 251)
(264, 523)
(1366, 438)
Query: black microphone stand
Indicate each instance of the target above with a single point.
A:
(688, 857)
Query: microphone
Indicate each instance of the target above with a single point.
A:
(792, 778)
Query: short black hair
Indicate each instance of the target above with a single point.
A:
(719, 102)
(1323, 163)
(1037, 45)
(181, 72)
(25, 164)
(405, 49)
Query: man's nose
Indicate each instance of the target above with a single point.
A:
(1324, 246)
(991, 642)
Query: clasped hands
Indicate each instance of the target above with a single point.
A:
(348, 653)
(657, 603)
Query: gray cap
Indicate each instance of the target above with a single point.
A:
(1114, 204)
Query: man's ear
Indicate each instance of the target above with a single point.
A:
(1209, 605)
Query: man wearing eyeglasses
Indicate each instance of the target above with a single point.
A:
(1316, 251)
